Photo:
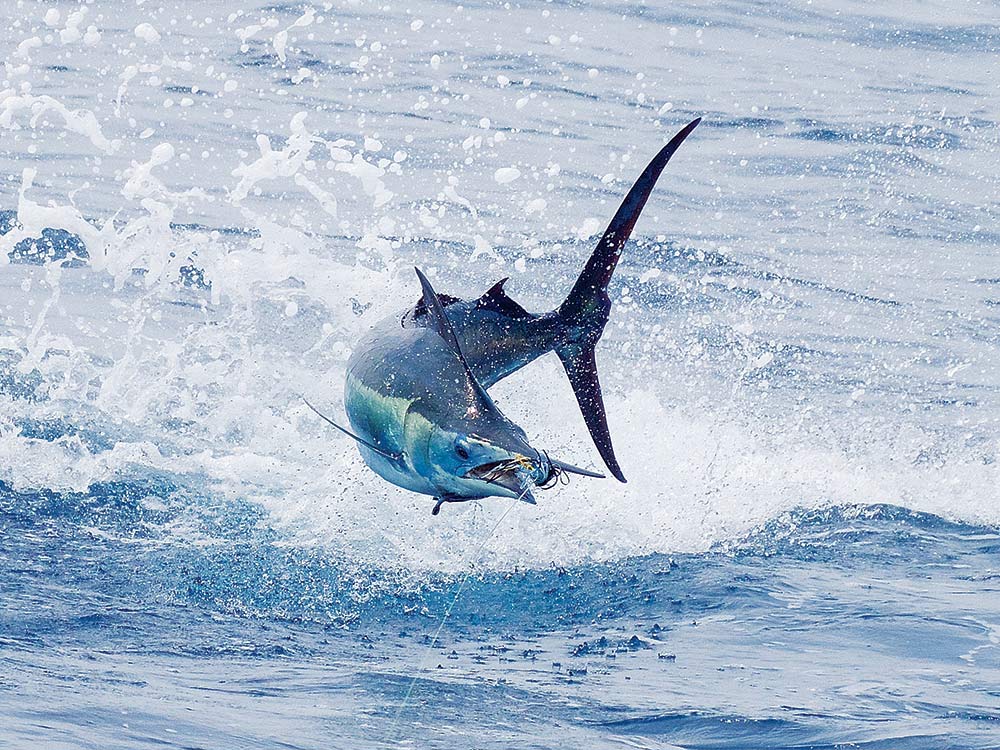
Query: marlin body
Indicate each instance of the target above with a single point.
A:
(416, 387)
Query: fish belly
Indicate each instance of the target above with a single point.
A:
(380, 419)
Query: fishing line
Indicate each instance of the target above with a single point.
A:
(447, 614)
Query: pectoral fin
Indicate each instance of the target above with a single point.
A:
(442, 499)
(369, 446)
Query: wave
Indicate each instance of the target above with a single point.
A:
(179, 542)
(720, 430)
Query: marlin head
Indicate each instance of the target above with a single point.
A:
(488, 455)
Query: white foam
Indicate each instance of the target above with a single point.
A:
(294, 160)
(506, 175)
(280, 39)
(25, 47)
(80, 121)
(33, 217)
(147, 33)
(71, 32)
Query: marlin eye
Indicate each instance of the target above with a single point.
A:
(462, 452)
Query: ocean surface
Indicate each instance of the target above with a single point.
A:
(204, 205)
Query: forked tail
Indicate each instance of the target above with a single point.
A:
(585, 311)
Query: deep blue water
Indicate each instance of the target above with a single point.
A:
(203, 206)
(849, 627)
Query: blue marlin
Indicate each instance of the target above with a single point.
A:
(416, 386)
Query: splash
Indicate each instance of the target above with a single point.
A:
(246, 196)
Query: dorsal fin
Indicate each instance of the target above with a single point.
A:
(440, 323)
(420, 309)
(436, 317)
(496, 299)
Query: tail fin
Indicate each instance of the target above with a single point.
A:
(585, 311)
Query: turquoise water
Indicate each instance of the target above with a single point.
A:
(206, 206)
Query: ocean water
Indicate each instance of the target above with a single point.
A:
(204, 205)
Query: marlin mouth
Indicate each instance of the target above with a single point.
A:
(508, 473)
